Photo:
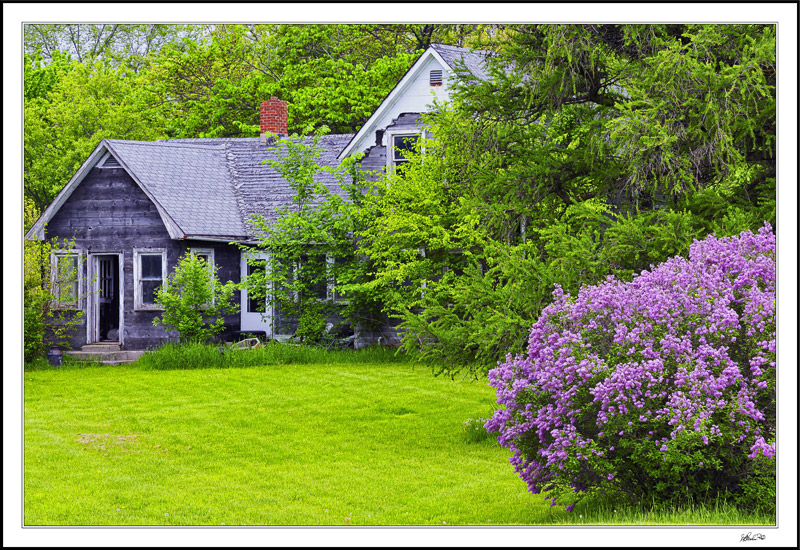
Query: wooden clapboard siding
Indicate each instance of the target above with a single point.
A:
(108, 212)
(374, 160)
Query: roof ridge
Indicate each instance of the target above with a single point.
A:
(435, 45)
(162, 143)
(230, 165)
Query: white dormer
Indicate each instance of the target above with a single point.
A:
(425, 81)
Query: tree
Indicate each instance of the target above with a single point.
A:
(316, 271)
(51, 293)
(195, 302)
(69, 110)
(630, 111)
(330, 75)
(574, 161)
(131, 45)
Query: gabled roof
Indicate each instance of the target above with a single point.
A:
(448, 56)
(203, 188)
(191, 181)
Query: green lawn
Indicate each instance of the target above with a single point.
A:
(341, 444)
(273, 445)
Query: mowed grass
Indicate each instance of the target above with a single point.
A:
(342, 443)
(370, 444)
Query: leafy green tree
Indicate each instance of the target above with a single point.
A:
(631, 112)
(40, 77)
(49, 290)
(195, 302)
(315, 272)
(70, 110)
(130, 45)
(330, 75)
(592, 150)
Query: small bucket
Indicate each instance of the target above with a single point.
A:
(55, 357)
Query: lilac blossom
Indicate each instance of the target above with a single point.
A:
(676, 367)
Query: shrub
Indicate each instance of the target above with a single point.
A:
(47, 322)
(195, 302)
(311, 324)
(661, 388)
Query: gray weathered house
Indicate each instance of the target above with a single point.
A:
(133, 208)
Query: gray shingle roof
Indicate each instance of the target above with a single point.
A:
(260, 189)
(190, 181)
(211, 187)
(474, 61)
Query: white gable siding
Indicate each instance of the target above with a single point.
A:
(418, 97)
(413, 94)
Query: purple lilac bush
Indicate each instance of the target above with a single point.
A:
(662, 388)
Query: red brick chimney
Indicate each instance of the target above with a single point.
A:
(273, 118)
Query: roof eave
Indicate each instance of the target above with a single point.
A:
(219, 238)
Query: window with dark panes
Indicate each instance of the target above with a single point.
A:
(151, 277)
(401, 146)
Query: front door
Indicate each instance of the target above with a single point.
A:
(256, 314)
(105, 313)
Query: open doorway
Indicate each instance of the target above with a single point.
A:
(106, 316)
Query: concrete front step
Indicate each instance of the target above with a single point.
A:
(107, 358)
(101, 348)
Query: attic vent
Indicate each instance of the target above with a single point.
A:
(436, 78)
(109, 162)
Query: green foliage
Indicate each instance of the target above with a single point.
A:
(592, 150)
(330, 75)
(196, 355)
(48, 321)
(129, 45)
(40, 78)
(70, 110)
(311, 324)
(312, 246)
(195, 302)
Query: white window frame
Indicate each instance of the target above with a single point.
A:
(389, 136)
(55, 255)
(208, 252)
(331, 295)
(137, 282)
(204, 252)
